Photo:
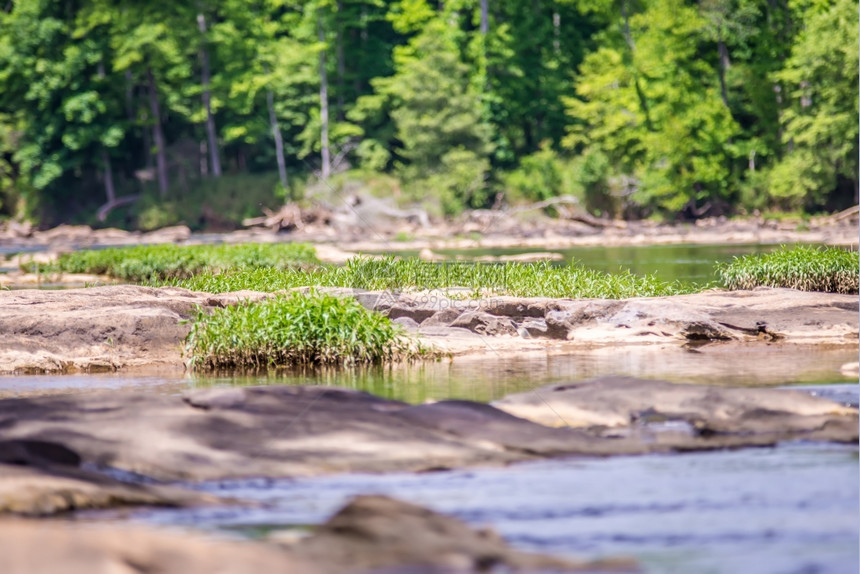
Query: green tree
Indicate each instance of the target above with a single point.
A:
(442, 141)
(820, 121)
(650, 103)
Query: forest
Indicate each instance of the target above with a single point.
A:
(146, 113)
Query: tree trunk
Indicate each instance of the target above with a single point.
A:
(640, 94)
(326, 154)
(556, 32)
(725, 63)
(158, 135)
(279, 141)
(485, 17)
(341, 65)
(211, 134)
(110, 191)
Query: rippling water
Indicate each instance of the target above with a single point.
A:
(793, 508)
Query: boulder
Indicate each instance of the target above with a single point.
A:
(485, 324)
(381, 534)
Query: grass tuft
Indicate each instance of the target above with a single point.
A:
(828, 269)
(301, 329)
(515, 279)
(150, 263)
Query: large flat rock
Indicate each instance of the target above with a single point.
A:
(125, 326)
(303, 431)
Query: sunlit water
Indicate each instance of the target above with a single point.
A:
(692, 263)
(777, 510)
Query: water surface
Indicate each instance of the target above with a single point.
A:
(793, 508)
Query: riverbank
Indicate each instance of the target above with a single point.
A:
(474, 230)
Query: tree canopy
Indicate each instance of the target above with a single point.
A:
(674, 108)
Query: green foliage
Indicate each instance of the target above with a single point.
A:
(146, 263)
(820, 122)
(301, 329)
(516, 279)
(444, 142)
(212, 204)
(829, 269)
(538, 177)
(651, 105)
(670, 108)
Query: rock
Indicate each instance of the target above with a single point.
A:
(485, 324)
(558, 325)
(39, 478)
(79, 329)
(850, 369)
(304, 431)
(443, 318)
(43, 547)
(120, 326)
(172, 234)
(380, 534)
(625, 402)
(536, 327)
(407, 323)
(370, 534)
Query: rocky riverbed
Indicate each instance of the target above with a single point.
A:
(61, 453)
(123, 326)
(101, 450)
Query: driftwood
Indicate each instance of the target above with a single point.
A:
(105, 209)
(290, 217)
(847, 214)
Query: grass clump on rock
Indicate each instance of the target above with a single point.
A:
(148, 263)
(515, 279)
(828, 269)
(300, 329)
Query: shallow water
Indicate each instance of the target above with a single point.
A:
(692, 263)
(491, 376)
(793, 508)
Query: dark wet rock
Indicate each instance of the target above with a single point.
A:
(381, 534)
(39, 478)
(485, 324)
(516, 307)
(442, 318)
(559, 325)
(535, 327)
(415, 311)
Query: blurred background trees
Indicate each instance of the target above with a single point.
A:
(148, 113)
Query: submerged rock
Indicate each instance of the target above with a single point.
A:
(370, 534)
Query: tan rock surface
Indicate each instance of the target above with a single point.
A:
(370, 534)
(303, 431)
(122, 326)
